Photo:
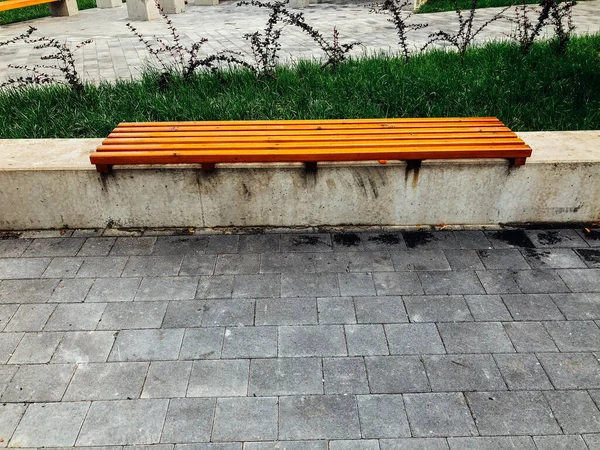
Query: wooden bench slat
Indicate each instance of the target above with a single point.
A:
(351, 122)
(7, 5)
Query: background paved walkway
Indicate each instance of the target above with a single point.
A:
(115, 53)
(463, 340)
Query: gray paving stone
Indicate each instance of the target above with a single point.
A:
(396, 374)
(288, 262)
(530, 337)
(309, 285)
(345, 376)
(84, 347)
(128, 246)
(35, 348)
(285, 376)
(575, 336)
(153, 266)
(258, 243)
(463, 260)
(414, 339)
(540, 281)
(397, 283)
(167, 288)
(366, 340)
(590, 256)
(71, 290)
(320, 340)
(352, 284)
(188, 420)
(167, 379)
(560, 443)
(298, 311)
(102, 267)
(571, 370)
(509, 239)
(229, 264)
(448, 373)
(75, 317)
(472, 239)
(183, 314)
(54, 247)
(180, 245)
(26, 291)
(50, 425)
(97, 246)
(368, 261)
(382, 416)
(560, 258)
(228, 313)
(10, 416)
(87, 232)
(510, 259)
(63, 267)
(555, 238)
(8, 343)
(16, 268)
(101, 381)
(487, 308)
(479, 337)
(202, 343)
(439, 415)
(532, 307)
(318, 417)
(578, 306)
(414, 444)
(39, 383)
(194, 264)
(113, 290)
(437, 308)
(250, 342)
(449, 283)
(592, 441)
(492, 443)
(123, 422)
(219, 286)
(13, 248)
(498, 281)
(420, 260)
(245, 419)
(224, 243)
(380, 309)
(334, 310)
(227, 446)
(219, 379)
(314, 242)
(591, 237)
(6, 374)
(522, 372)
(354, 445)
(514, 413)
(6, 314)
(581, 280)
(575, 411)
(429, 240)
(147, 345)
(31, 317)
(118, 316)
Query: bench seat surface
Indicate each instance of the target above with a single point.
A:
(309, 141)
(7, 5)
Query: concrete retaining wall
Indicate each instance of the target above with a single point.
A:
(50, 184)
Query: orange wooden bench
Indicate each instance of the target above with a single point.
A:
(57, 7)
(308, 141)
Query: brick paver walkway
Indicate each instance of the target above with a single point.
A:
(116, 54)
(460, 340)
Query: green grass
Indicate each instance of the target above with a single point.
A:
(35, 12)
(540, 91)
(448, 5)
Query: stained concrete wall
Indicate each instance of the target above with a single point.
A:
(50, 184)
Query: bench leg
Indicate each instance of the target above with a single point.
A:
(208, 167)
(142, 10)
(517, 162)
(103, 168)
(64, 8)
(103, 4)
(310, 166)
